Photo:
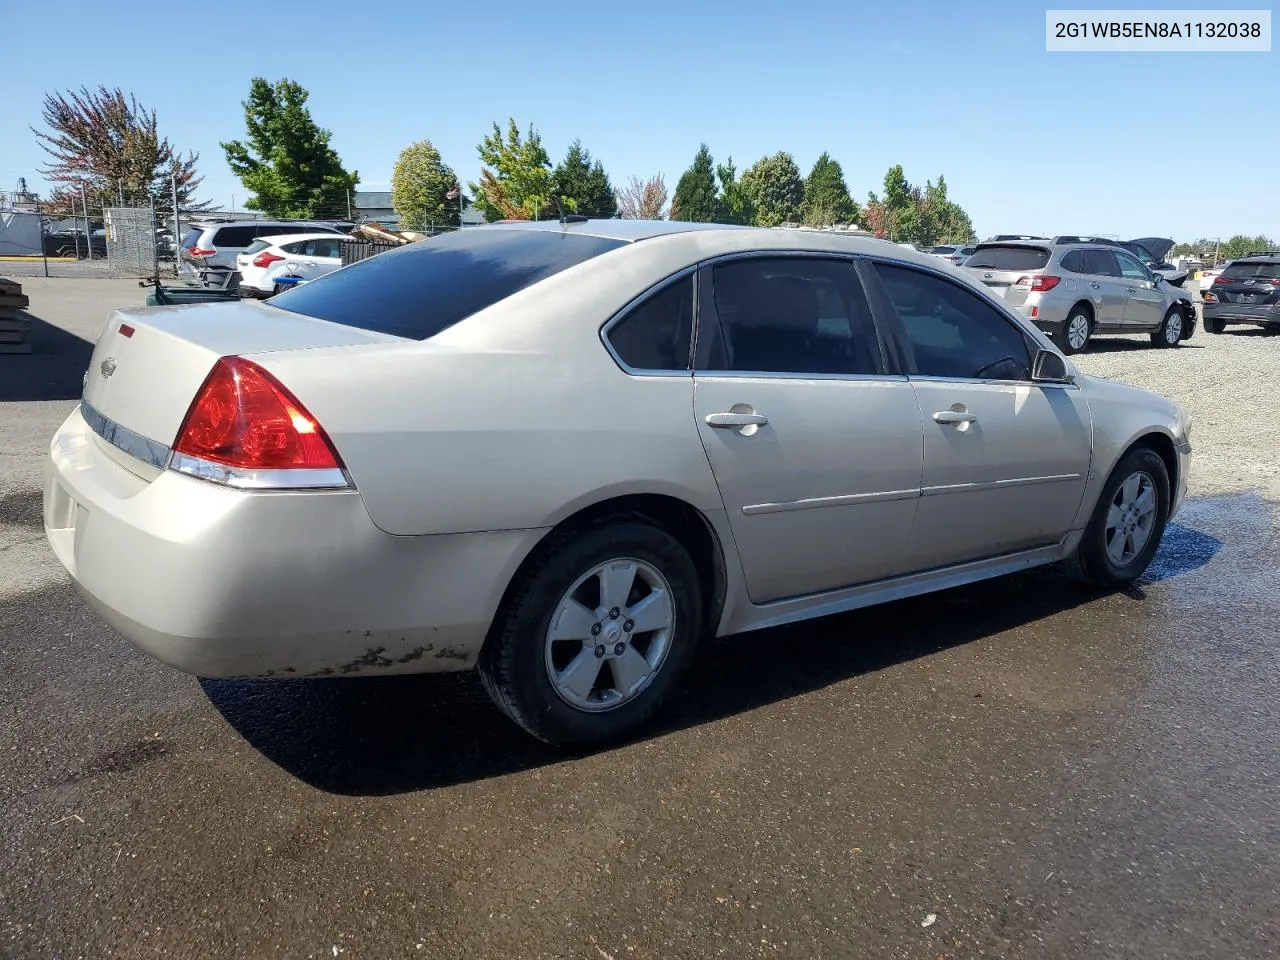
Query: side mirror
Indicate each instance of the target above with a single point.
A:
(1050, 367)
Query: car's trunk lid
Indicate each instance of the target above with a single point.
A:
(1000, 266)
(149, 363)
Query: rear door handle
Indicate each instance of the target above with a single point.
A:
(1095, 285)
(954, 416)
(736, 420)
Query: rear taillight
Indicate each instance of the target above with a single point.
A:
(200, 252)
(1210, 297)
(1221, 280)
(1039, 283)
(245, 429)
(265, 259)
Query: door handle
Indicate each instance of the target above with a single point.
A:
(1095, 285)
(954, 416)
(736, 420)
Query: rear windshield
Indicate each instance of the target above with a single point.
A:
(1239, 271)
(997, 257)
(943, 250)
(256, 246)
(428, 286)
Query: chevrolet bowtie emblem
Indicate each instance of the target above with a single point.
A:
(108, 367)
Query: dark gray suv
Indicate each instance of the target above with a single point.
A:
(1247, 291)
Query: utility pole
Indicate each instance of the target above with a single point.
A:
(177, 227)
(349, 217)
(120, 188)
(88, 230)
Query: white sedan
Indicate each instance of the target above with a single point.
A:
(565, 453)
(267, 260)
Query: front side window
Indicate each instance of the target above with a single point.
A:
(792, 315)
(952, 331)
(1130, 268)
(657, 334)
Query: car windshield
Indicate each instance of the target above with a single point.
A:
(421, 289)
(1012, 257)
(1241, 271)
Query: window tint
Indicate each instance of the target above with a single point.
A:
(657, 334)
(1130, 268)
(943, 249)
(234, 236)
(1238, 270)
(998, 257)
(295, 247)
(428, 286)
(792, 315)
(1100, 263)
(953, 332)
(1074, 261)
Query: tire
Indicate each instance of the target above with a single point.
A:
(1170, 332)
(1092, 562)
(526, 673)
(1069, 334)
(1215, 325)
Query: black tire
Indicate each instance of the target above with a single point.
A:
(1079, 311)
(1091, 563)
(1215, 325)
(512, 664)
(1170, 326)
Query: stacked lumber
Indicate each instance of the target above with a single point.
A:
(13, 321)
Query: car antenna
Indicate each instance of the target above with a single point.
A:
(565, 218)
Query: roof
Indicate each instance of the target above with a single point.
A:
(294, 237)
(626, 230)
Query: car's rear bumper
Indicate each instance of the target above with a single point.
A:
(1258, 313)
(221, 582)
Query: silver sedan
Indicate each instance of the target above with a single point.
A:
(565, 453)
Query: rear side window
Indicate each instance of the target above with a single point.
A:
(428, 286)
(657, 334)
(997, 257)
(1242, 271)
(1074, 261)
(234, 236)
(1100, 263)
(191, 237)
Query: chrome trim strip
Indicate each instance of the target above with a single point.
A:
(844, 500)
(1040, 384)
(770, 375)
(998, 484)
(241, 479)
(122, 438)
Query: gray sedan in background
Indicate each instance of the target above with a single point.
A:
(1076, 291)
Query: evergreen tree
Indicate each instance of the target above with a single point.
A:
(695, 199)
(582, 185)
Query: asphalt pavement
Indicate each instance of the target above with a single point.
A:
(1025, 768)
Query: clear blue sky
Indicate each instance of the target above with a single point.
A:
(1129, 143)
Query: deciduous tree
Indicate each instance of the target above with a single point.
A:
(420, 186)
(106, 142)
(775, 189)
(515, 182)
(286, 161)
(582, 184)
(643, 199)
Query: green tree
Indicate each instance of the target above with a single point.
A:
(515, 182)
(733, 205)
(826, 196)
(908, 214)
(1239, 245)
(775, 189)
(695, 199)
(582, 185)
(287, 162)
(420, 186)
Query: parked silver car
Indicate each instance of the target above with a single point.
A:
(565, 454)
(1075, 291)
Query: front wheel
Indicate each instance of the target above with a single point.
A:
(595, 634)
(1128, 523)
(1170, 332)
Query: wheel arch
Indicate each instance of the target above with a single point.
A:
(686, 523)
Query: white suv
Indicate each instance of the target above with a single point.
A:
(209, 250)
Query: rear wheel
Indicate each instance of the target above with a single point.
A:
(1076, 329)
(595, 634)
(1128, 523)
(1215, 325)
(1170, 332)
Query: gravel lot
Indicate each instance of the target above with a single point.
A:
(1023, 768)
